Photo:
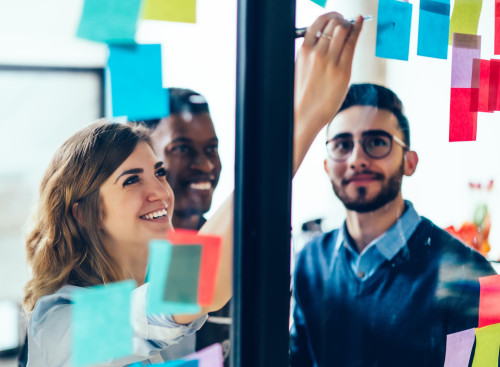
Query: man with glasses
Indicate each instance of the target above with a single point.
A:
(388, 286)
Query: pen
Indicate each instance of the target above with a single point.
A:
(301, 32)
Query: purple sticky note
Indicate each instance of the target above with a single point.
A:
(208, 357)
(458, 348)
(466, 48)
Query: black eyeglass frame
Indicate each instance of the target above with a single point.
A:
(369, 133)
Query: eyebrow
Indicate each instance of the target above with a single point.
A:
(364, 133)
(137, 170)
(187, 140)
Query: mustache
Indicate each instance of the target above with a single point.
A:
(376, 176)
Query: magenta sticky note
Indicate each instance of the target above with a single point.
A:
(208, 357)
(464, 73)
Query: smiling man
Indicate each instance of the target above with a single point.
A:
(388, 286)
(187, 144)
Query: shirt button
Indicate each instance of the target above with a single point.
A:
(361, 274)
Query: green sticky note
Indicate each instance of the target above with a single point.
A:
(109, 21)
(487, 346)
(161, 258)
(170, 10)
(183, 274)
(465, 17)
(101, 314)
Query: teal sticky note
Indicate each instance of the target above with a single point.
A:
(321, 3)
(136, 82)
(393, 29)
(177, 363)
(101, 314)
(183, 274)
(160, 260)
(109, 21)
(433, 28)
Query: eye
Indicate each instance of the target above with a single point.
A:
(378, 141)
(180, 149)
(131, 180)
(342, 145)
(212, 149)
(161, 172)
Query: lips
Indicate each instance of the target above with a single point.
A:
(156, 214)
(204, 183)
(363, 177)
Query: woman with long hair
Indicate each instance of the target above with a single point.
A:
(104, 196)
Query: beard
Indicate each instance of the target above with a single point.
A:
(360, 203)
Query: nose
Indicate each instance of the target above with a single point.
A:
(159, 190)
(358, 158)
(202, 163)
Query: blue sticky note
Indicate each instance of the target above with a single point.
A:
(177, 363)
(433, 28)
(101, 314)
(136, 82)
(160, 256)
(393, 29)
(109, 21)
(321, 3)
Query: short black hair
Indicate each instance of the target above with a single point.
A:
(182, 100)
(368, 94)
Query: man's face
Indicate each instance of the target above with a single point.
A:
(188, 146)
(361, 182)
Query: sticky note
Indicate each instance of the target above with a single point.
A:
(484, 86)
(101, 314)
(210, 260)
(109, 21)
(487, 346)
(208, 357)
(497, 27)
(459, 348)
(464, 73)
(160, 260)
(176, 363)
(393, 29)
(463, 118)
(136, 82)
(489, 300)
(494, 97)
(170, 10)
(433, 28)
(465, 17)
(321, 3)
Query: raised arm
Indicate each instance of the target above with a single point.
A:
(322, 74)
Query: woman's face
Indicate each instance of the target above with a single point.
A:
(138, 204)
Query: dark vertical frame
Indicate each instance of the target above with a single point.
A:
(264, 131)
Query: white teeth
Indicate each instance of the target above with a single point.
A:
(201, 185)
(154, 215)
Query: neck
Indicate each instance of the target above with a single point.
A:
(186, 222)
(365, 227)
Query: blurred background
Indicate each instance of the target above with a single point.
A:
(51, 84)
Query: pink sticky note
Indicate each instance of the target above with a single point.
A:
(484, 86)
(208, 357)
(463, 114)
(497, 27)
(458, 348)
(489, 300)
(494, 97)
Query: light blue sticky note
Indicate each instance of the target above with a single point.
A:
(136, 82)
(321, 3)
(99, 315)
(177, 363)
(433, 28)
(393, 29)
(160, 255)
(109, 21)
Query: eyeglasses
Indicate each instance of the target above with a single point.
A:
(377, 144)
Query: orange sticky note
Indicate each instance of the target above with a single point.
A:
(489, 300)
(210, 259)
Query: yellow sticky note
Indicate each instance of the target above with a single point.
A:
(170, 10)
(465, 17)
(487, 344)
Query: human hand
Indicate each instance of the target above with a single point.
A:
(323, 69)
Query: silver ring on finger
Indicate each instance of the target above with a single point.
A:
(324, 35)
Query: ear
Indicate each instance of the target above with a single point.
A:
(324, 166)
(77, 214)
(410, 163)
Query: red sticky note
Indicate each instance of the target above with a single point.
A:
(210, 259)
(463, 114)
(497, 27)
(489, 300)
(484, 86)
(494, 88)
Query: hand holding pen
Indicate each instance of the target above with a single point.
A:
(301, 32)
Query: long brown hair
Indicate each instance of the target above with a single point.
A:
(62, 249)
